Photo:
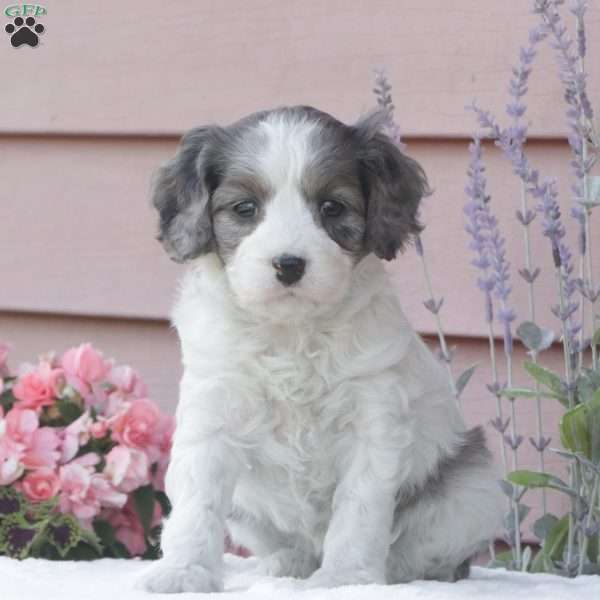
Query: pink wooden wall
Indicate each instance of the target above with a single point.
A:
(88, 115)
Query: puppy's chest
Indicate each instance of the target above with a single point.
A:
(308, 417)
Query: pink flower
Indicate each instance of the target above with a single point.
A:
(105, 492)
(20, 425)
(139, 426)
(127, 382)
(75, 435)
(42, 450)
(167, 428)
(127, 468)
(77, 495)
(41, 484)
(129, 530)
(39, 387)
(10, 468)
(11, 453)
(37, 447)
(85, 364)
(84, 492)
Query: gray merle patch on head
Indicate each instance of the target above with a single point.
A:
(355, 166)
(182, 190)
(228, 227)
(393, 184)
(379, 187)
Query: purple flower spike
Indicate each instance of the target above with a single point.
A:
(526, 218)
(513, 441)
(488, 244)
(433, 306)
(529, 276)
(541, 444)
(382, 91)
(499, 425)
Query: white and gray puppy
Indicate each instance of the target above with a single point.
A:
(313, 423)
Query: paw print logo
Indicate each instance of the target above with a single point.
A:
(24, 32)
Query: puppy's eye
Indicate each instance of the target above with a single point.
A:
(246, 209)
(332, 208)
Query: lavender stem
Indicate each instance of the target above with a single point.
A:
(534, 354)
(588, 523)
(440, 331)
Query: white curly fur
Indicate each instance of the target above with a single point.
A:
(299, 430)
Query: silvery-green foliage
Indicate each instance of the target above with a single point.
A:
(569, 544)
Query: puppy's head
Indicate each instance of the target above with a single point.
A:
(290, 200)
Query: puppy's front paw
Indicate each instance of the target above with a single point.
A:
(169, 578)
(326, 578)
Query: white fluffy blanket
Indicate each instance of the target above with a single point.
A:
(110, 579)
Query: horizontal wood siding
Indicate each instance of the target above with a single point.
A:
(156, 67)
(78, 233)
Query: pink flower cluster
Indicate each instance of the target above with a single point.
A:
(118, 441)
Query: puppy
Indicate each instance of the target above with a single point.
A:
(313, 423)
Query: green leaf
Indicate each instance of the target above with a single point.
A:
(596, 338)
(463, 379)
(529, 393)
(593, 408)
(163, 500)
(17, 536)
(543, 526)
(592, 550)
(143, 499)
(64, 533)
(555, 542)
(119, 550)
(503, 560)
(574, 434)
(509, 517)
(83, 551)
(534, 337)
(553, 547)
(113, 548)
(535, 479)
(39, 511)
(11, 501)
(69, 411)
(7, 399)
(546, 378)
(530, 334)
(105, 532)
(505, 556)
(541, 563)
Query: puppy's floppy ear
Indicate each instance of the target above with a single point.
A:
(181, 194)
(393, 184)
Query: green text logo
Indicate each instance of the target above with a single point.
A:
(25, 10)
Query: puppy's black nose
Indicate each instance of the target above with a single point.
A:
(289, 268)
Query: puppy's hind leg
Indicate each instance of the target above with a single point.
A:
(454, 515)
(279, 554)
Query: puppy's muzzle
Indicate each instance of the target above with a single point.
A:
(289, 269)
